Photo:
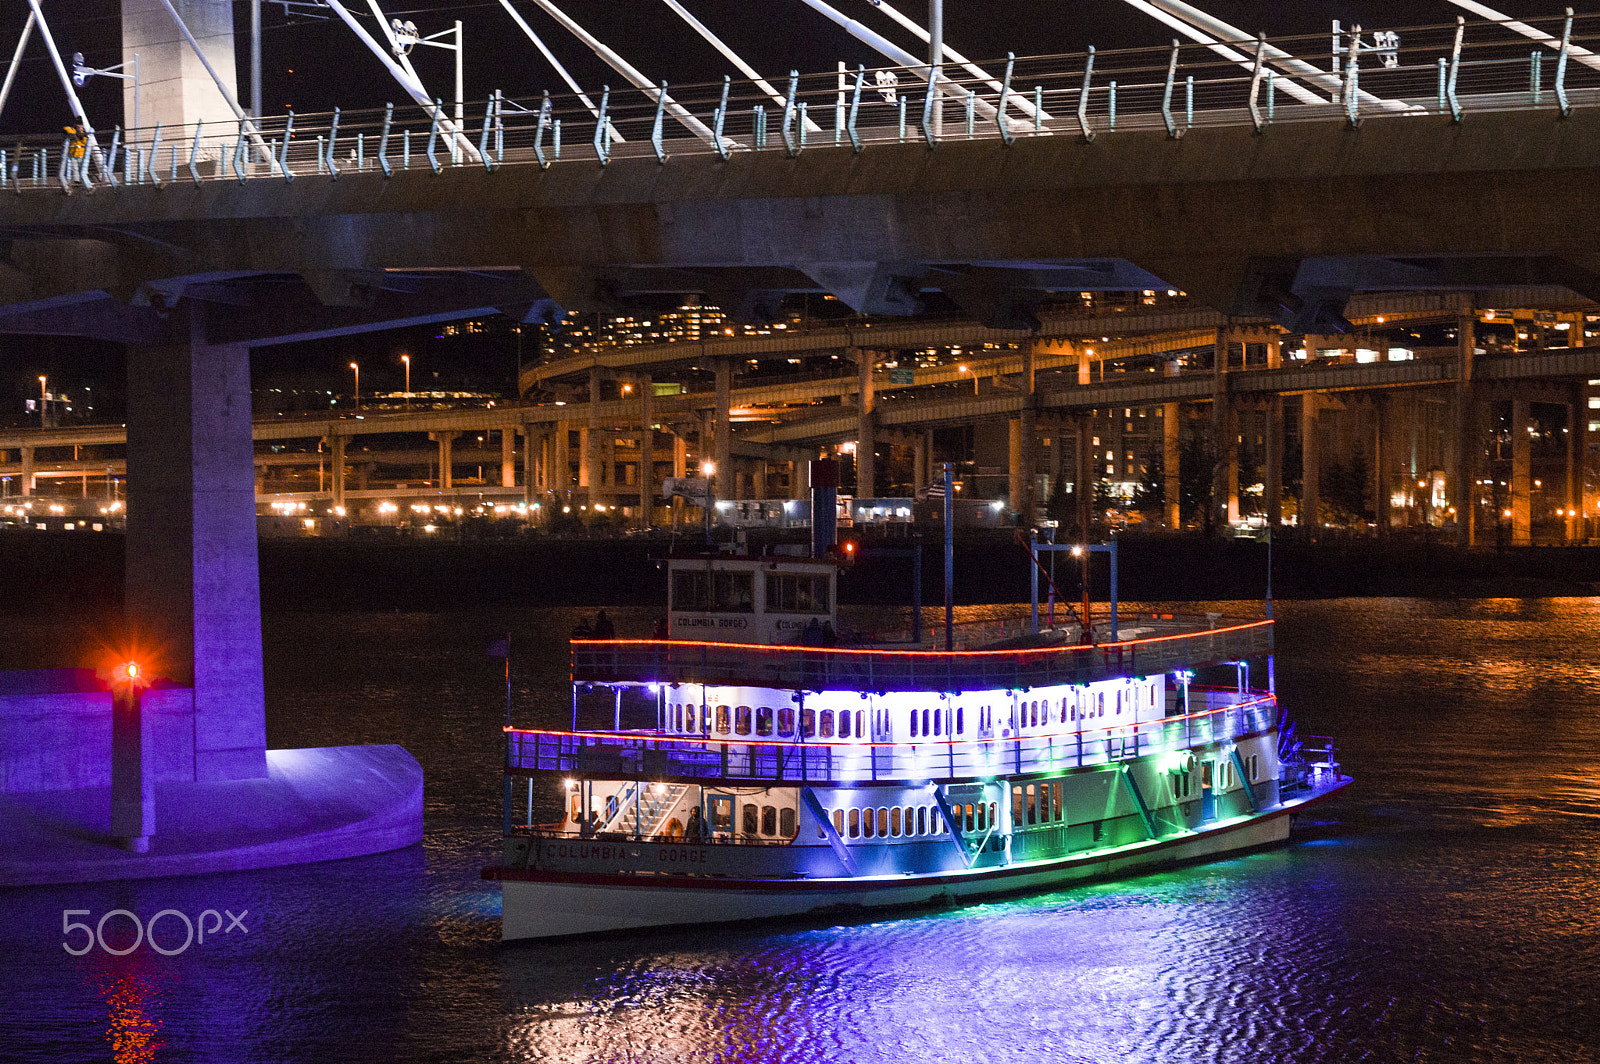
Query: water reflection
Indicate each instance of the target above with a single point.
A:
(133, 1027)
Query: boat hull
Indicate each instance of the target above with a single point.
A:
(541, 904)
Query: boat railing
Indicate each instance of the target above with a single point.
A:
(645, 661)
(1223, 716)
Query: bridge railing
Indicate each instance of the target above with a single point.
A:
(1438, 70)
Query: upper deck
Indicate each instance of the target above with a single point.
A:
(1170, 646)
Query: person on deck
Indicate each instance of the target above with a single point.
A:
(602, 627)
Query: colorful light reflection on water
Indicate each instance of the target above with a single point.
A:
(1442, 911)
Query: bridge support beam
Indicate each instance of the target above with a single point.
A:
(866, 436)
(27, 470)
(723, 430)
(446, 441)
(1083, 489)
(1382, 513)
(336, 445)
(1274, 462)
(1464, 489)
(1310, 463)
(1224, 441)
(508, 456)
(647, 450)
(1521, 473)
(193, 588)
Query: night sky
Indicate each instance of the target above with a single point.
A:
(316, 65)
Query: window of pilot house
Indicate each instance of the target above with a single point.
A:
(855, 823)
(691, 590)
(827, 724)
(764, 716)
(796, 593)
(786, 722)
(769, 820)
(786, 823)
(741, 720)
(723, 720)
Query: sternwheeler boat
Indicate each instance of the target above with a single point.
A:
(743, 771)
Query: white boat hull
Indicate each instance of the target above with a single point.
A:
(544, 905)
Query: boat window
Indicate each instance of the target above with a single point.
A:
(769, 820)
(1017, 809)
(724, 720)
(838, 821)
(961, 720)
(741, 720)
(983, 819)
(994, 814)
(611, 808)
(925, 730)
(883, 821)
(786, 823)
(764, 720)
(913, 724)
(869, 824)
(938, 723)
(1102, 699)
(1061, 812)
(861, 718)
(786, 722)
(808, 723)
(1033, 805)
(1065, 701)
(796, 593)
(855, 823)
(922, 820)
(844, 724)
(1033, 715)
(748, 820)
(827, 723)
(894, 822)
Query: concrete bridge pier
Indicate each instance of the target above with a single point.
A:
(336, 446)
(508, 456)
(866, 436)
(1310, 464)
(27, 470)
(723, 431)
(193, 588)
(647, 450)
(1273, 474)
(1521, 472)
(1382, 494)
(446, 441)
(1224, 439)
(1577, 425)
(1463, 486)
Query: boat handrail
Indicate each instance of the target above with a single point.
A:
(663, 757)
(644, 661)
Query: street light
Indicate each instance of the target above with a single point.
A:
(407, 360)
(81, 73)
(405, 36)
(357, 368)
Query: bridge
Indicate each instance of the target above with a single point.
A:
(1269, 195)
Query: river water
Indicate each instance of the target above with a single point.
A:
(1446, 908)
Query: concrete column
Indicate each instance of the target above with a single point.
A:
(446, 441)
(508, 456)
(1275, 351)
(1380, 467)
(680, 455)
(1015, 487)
(1274, 463)
(800, 476)
(647, 451)
(586, 465)
(336, 445)
(866, 436)
(531, 463)
(1083, 488)
(1576, 423)
(590, 475)
(723, 434)
(1026, 503)
(1310, 466)
(1224, 440)
(27, 471)
(174, 88)
(921, 450)
(1463, 490)
(561, 474)
(1083, 364)
(193, 587)
(1521, 473)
